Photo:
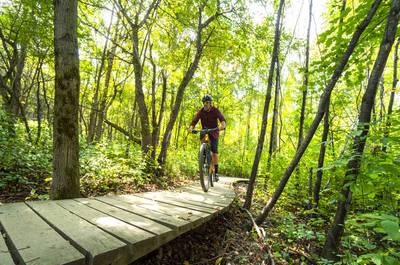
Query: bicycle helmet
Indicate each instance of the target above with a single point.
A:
(207, 98)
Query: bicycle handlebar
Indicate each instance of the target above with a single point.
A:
(205, 130)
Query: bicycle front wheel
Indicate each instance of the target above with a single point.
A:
(204, 168)
(211, 173)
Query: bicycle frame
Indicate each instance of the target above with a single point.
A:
(206, 166)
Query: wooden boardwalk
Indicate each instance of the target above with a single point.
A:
(105, 230)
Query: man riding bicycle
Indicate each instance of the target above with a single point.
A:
(209, 116)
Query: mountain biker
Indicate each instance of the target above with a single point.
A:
(209, 116)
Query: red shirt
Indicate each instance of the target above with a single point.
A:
(209, 119)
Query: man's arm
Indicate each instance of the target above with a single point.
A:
(194, 121)
(222, 126)
(222, 120)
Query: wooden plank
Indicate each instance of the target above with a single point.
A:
(194, 217)
(163, 197)
(33, 241)
(140, 242)
(177, 224)
(5, 255)
(217, 197)
(215, 191)
(99, 246)
(163, 232)
(200, 199)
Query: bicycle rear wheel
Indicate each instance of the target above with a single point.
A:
(204, 168)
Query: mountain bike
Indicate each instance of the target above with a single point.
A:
(206, 165)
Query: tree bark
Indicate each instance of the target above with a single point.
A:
(305, 80)
(325, 133)
(65, 182)
(320, 113)
(153, 103)
(128, 134)
(260, 145)
(392, 94)
(353, 167)
(273, 141)
(321, 157)
(247, 136)
(94, 112)
(157, 128)
(136, 25)
(102, 114)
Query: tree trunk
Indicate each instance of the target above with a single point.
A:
(320, 113)
(247, 136)
(392, 94)
(95, 111)
(321, 158)
(260, 145)
(128, 133)
(178, 131)
(310, 189)
(16, 84)
(325, 133)
(273, 141)
(38, 102)
(305, 80)
(65, 182)
(102, 114)
(153, 104)
(334, 234)
(274, 132)
(140, 99)
(156, 130)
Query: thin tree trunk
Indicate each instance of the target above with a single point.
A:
(102, 114)
(325, 133)
(156, 130)
(16, 84)
(320, 113)
(94, 112)
(274, 128)
(274, 132)
(392, 94)
(38, 103)
(45, 99)
(153, 103)
(321, 157)
(65, 182)
(140, 99)
(305, 80)
(260, 145)
(334, 234)
(128, 134)
(247, 137)
(136, 25)
(178, 131)
(310, 189)
(304, 97)
(381, 96)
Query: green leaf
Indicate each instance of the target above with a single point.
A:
(392, 229)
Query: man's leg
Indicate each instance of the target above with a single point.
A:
(214, 150)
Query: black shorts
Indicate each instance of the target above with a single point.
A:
(213, 143)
